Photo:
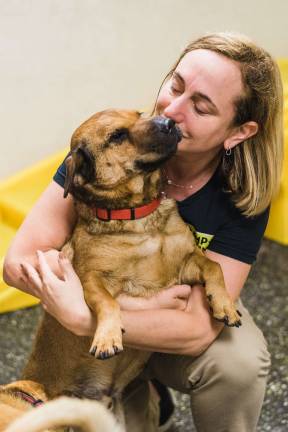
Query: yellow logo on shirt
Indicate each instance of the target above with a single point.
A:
(202, 239)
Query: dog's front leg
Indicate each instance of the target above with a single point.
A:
(197, 268)
(107, 340)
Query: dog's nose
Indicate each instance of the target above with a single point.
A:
(164, 124)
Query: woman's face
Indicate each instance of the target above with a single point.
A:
(200, 97)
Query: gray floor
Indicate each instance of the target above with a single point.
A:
(265, 295)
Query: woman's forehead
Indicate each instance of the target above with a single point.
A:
(210, 70)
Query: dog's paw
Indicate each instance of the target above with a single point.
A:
(225, 312)
(106, 343)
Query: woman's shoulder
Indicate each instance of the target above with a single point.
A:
(219, 225)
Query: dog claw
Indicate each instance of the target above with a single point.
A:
(93, 350)
(103, 355)
(116, 350)
(239, 313)
(225, 320)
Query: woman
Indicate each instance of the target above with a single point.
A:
(225, 95)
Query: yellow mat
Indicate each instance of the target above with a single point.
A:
(18, 193)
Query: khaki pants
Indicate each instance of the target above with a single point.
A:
(226, 383)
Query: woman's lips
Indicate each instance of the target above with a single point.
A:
(185, 135)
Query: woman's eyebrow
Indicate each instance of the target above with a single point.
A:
(200, 95)
(197, 95)
(178, 77)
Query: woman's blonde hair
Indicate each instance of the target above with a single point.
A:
(253, 171)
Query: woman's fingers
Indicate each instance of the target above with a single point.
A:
(45, 271)
(67, 268)
(180, 291)
(31, 275)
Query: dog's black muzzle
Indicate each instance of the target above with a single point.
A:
(167, 126)
(161, 140)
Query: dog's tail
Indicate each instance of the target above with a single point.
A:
(89, 416)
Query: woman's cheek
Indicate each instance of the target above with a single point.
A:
(164, 99)
(162, 103)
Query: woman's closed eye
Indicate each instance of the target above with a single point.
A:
(200, 110)
(174, 89)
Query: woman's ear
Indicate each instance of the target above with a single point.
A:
(240, 134)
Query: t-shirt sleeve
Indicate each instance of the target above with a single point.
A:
(59, 176)
(241, 237)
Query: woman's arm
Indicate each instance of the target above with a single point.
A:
(165, 323)
(47, 227)
(187, 332)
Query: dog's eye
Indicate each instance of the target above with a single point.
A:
(119, 135)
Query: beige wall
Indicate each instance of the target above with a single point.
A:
(62, 60)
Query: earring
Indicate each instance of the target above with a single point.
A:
(228, 152)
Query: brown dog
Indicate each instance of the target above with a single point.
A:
(127, 240)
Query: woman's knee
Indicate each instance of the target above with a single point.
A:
(237, 366)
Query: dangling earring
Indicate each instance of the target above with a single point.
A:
(228, 152)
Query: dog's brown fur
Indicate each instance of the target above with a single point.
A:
(114, 163)
(12, 406)
(90, 416)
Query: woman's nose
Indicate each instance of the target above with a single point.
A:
(175, 110)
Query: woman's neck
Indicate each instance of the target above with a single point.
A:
(186, 175)
(188, 169)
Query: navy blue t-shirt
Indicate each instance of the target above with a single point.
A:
(215, 221)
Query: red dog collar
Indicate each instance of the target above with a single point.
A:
(126, 214)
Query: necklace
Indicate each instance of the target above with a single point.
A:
(170, 182)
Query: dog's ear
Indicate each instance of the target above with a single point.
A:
(70, 174)
(80, 163)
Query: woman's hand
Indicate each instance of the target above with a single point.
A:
(63, 297)
(175, 297)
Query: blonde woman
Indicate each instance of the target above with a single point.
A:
(225, 94)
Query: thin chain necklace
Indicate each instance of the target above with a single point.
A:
(171, 182)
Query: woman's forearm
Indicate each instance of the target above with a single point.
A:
(169, 331)
(163, 330)
(14, 274)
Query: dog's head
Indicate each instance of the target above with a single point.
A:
(114, 152)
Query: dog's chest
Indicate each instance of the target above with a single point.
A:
(139, 264)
